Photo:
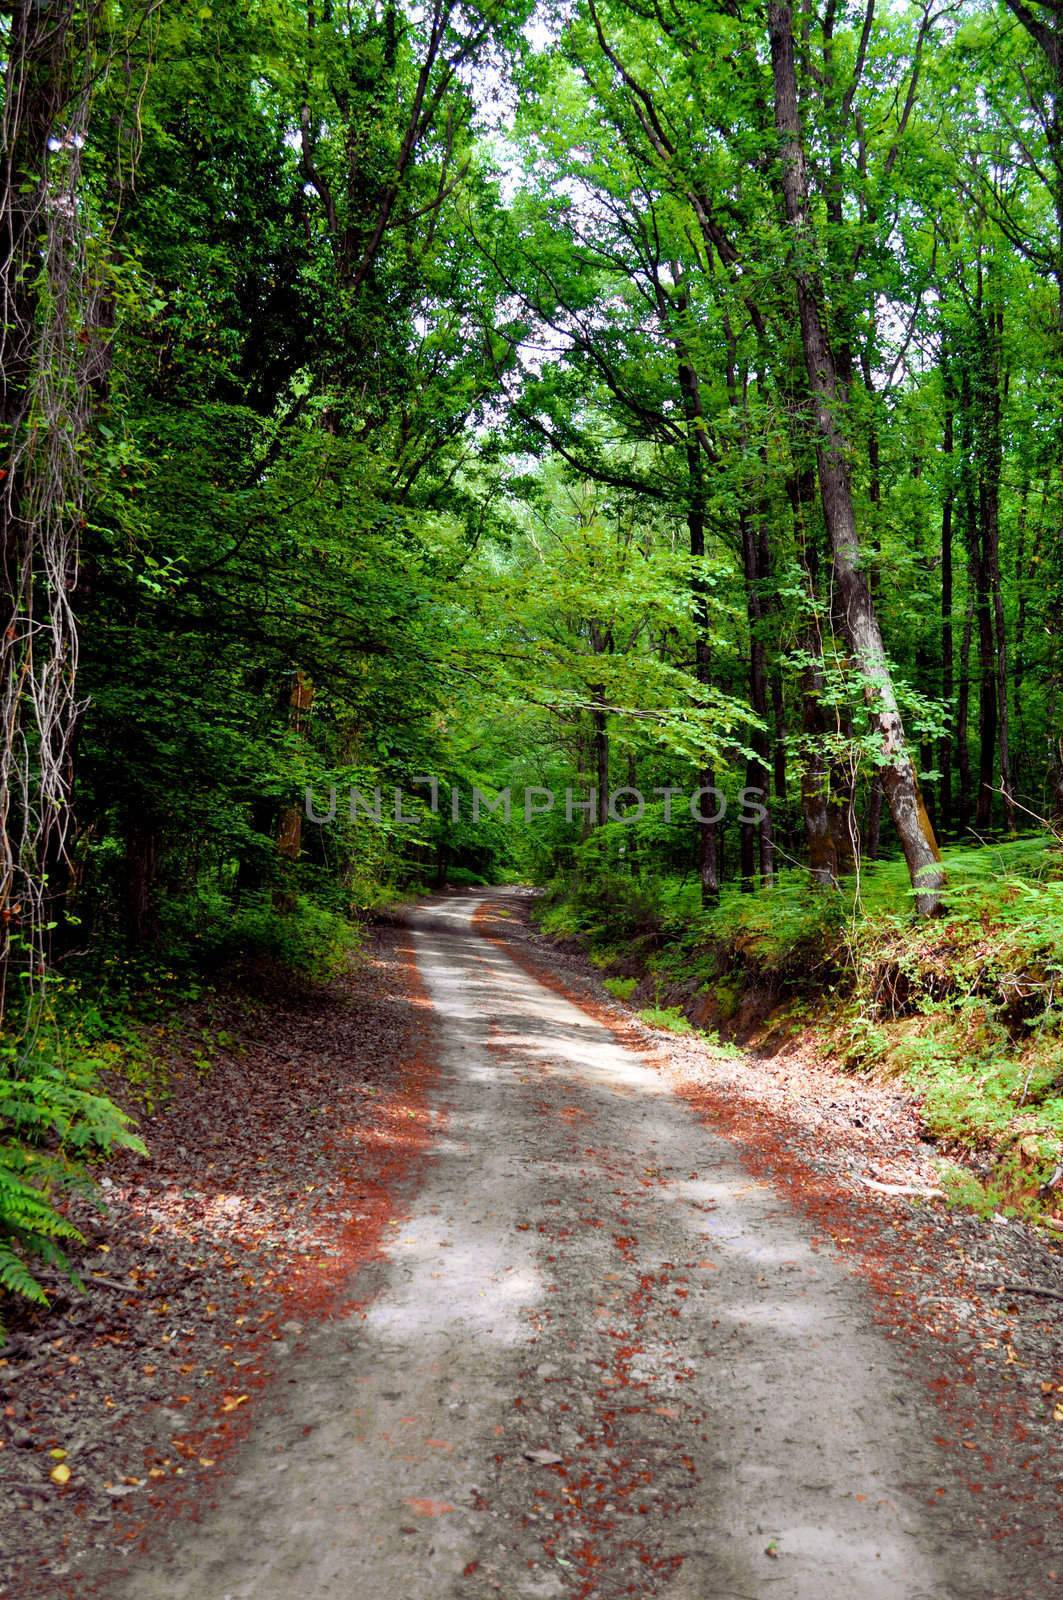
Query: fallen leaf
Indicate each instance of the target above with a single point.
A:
(60, 1474)
(543, 1458)
(430, 1508)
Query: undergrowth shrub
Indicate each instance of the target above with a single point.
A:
(308, 938)
(607, 908)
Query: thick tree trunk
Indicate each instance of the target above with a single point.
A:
(899, 777)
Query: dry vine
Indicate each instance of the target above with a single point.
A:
(54, 342)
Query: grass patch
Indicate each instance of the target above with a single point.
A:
(669, 1017)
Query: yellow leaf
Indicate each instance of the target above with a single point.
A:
(231, 1401)
(57, 1455)
(60, 1474)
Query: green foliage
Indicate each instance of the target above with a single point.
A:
(607, 907)
(667, 1017)
(620, 988)
(306, 938)
(53, 1119)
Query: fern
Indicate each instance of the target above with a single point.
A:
(51, 1117)
(16, 1277)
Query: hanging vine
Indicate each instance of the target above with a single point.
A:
(54, 341)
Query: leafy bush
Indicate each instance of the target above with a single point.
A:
(621, 988)
(605, 907)
(308, 938)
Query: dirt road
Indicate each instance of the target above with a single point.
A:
(599, 1359)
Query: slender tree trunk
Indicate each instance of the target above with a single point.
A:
(873, 825)
(814, 779)
(601, 760)
(992, 332)
(963, 716)
(756, 840)
(814, 782)
(778, 712)
(141, 862)
(601, 644)
(1018, 670)
(899, 777)
(987, 696)
(633, 849)
(290, 822)
(815, 806)
(945, 743)
(708, 864)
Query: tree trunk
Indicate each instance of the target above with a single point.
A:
(991, 331)
(290, 823)
(815, 806)
(778, 709)
(756, 839)
(963, 716)
(945, 743)
(708, 865)
(141, 860)
(601, 761)
(873, 825)
(899, 777)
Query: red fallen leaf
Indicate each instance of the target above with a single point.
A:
(429, 1508)
(469, 1568)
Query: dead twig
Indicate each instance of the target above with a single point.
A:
(1024, 1288)
(916, 1189)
